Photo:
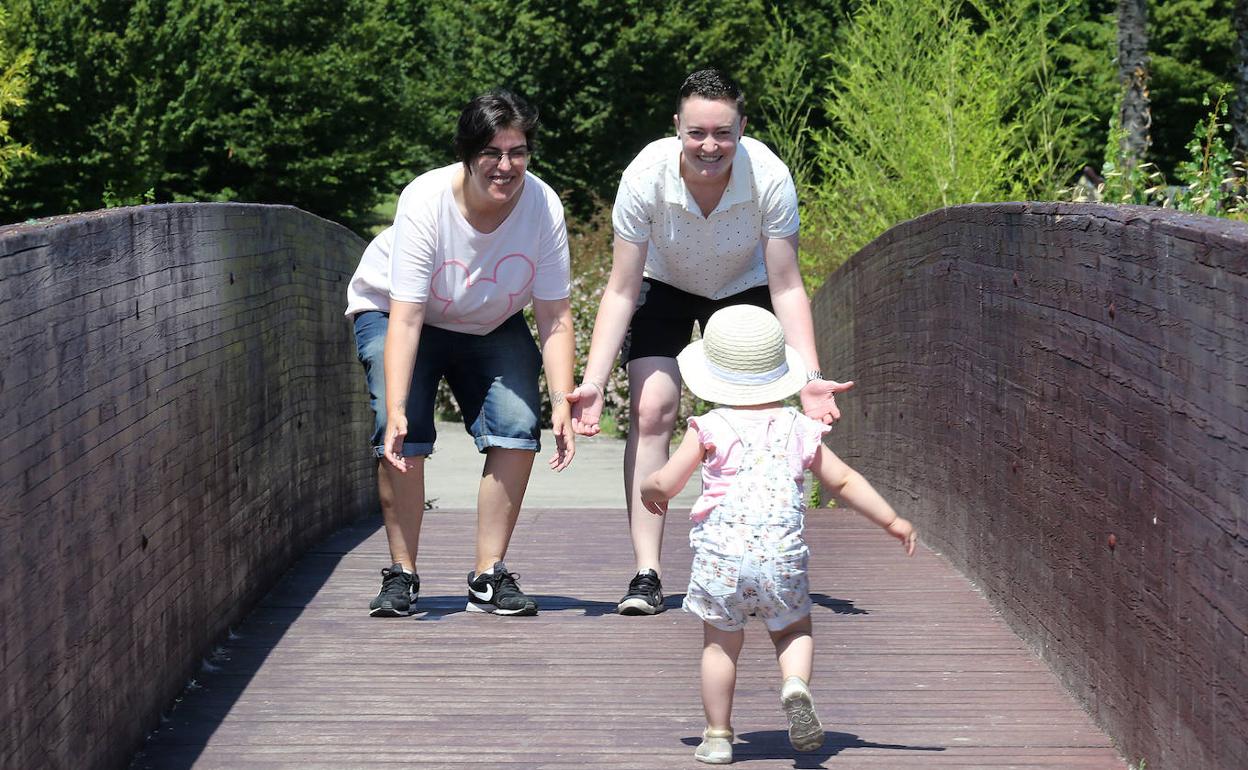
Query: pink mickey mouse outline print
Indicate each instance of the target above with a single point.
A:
(522, 271)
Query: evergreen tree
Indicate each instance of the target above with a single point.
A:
(276, 101)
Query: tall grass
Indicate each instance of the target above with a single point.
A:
(936, 103)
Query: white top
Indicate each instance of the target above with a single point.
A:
(369, 288)
(469, 281)
(715, 256)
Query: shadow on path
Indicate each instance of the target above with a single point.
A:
(774, 744)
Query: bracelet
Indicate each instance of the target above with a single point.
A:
(601, 391)
(814, 374)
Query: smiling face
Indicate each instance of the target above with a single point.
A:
(497, 172)
(709, 130)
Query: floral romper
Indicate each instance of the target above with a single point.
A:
(749, 557)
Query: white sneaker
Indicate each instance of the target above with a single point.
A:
(715, 748)
(805, 730)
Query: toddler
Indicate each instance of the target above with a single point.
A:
(749, 557)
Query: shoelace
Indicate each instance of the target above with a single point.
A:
(643, 584)
(506, 584)
(394, 581)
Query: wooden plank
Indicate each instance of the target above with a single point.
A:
(913, 669)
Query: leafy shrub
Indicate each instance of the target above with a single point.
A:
(936, 103)
(1210, 182)
(14, 68)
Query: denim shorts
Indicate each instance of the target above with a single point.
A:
(663, 321)
(492, 376)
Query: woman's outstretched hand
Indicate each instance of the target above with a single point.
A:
(819, 399)
(587, 402)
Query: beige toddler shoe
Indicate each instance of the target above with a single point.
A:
(805, 730)
(716, 746)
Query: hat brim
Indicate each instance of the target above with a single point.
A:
(709, 387)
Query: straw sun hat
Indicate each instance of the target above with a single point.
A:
(742, 359)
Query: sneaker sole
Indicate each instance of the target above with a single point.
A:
(389, 612)
(805, 730)
(638, 606)
(491, 609)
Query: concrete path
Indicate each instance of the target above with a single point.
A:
(594, 480)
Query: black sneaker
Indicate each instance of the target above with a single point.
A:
(498, 594)
(645, 595)
(398, 593)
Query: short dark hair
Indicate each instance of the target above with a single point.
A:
(712, 84)
(486, 115)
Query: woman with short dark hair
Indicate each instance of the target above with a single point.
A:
(703, 220)
(445, 287)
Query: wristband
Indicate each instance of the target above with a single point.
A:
(814, 374)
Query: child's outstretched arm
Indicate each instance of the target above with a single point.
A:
(663, 484)
(848, 485)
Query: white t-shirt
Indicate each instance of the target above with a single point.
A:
(369, 288)
(469, 281)
(715, 256)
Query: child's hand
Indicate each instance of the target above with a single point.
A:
(905, 532)
(653, 500)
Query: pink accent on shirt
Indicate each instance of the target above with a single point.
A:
(466, 294)
(723, 448)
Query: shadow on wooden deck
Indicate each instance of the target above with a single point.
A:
(913, 669)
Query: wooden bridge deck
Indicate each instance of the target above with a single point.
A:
(913, 669)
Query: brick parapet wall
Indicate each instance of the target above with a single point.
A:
(182, 415)
(1058, 395)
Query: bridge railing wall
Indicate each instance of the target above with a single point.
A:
(182, 415)
(1058, 394)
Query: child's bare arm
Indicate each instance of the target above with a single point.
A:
(848, 485)
(666, 482)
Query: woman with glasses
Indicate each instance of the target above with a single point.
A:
(441, 294)
(703, 220)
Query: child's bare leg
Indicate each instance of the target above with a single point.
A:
(795, 649)
(719, 673)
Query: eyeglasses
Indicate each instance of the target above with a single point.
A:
(518, 155)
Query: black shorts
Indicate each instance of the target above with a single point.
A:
(663, 321)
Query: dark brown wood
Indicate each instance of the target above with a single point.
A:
(1059, 395)
(913, 668)
(180, 414)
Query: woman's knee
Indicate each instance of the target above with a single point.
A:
(655, 414)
